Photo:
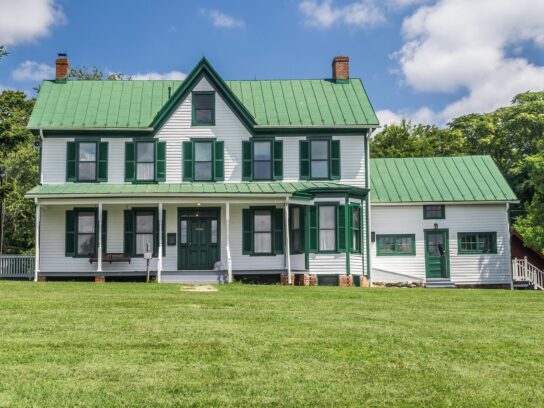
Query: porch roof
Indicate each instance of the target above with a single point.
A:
(299, 190)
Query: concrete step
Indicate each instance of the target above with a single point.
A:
(195, 277)
(439, 283)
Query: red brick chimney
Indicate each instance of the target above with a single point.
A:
(62, 67)
(340, 69)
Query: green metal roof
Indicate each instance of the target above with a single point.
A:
(298, 189)
(438, 179)
(137, 104)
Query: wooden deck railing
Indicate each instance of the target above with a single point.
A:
(16, 266)
(524, 271)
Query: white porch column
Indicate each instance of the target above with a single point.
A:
(287, 243)
(37, 249)
(229, 258)
(99, 255)
(159, 255)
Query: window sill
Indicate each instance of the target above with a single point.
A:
(395, 254)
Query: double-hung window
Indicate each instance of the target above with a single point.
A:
(327, 228)
(355, 228)
(87, 161)
(86, 233)
(296, 230)
(81, 232)
(87, 155)
(319, 159)
(203, 161)
(262, 231)
(144, 228)
(396, 244)
(203, 108)
(145, 161)
(477, 242)
(262, 160)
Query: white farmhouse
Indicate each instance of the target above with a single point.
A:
(256, 179)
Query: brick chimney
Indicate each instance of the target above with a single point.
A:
(340, 69)
(62, 67)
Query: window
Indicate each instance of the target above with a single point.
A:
(319, 163)
(203, 108)
(296, 234)
(327, 228)
(86, 233)
(396, 245)
(262, 160)
(87, 161)
(355, 228)
(477, 242)
(145, 161)
(262, 231)
(434, 212)
(144, 222)
(203, 161)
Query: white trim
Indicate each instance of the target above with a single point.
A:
(137, 195)
(159, 255)
(99, 255)
(37, 248)
(287, 248)
(229, 257)
(443, 202)
(139, 201)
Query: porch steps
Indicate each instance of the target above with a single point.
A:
(439, 283)
(195, 277)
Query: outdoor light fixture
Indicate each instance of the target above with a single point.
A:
(435, 225)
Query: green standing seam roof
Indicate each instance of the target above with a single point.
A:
(438, 179)
(134, 104)
(297, 189)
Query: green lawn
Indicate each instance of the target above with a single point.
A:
(119, 344)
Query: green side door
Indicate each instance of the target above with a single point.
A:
(436, 254)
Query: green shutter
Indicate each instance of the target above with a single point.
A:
(278, 230)
(341, 220)
(219, 161)
(102, 162)
(304, 153)
(130, 161)
(160, 161)
(335, 159)
(128, 233)
(104, 231)
(71, 161)
(187, 161)
(312, 228)
(247, 166)
(278, 160)
(70, 234)
(247, 231)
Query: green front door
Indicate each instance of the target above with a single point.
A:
(198, 243)
(436, 253)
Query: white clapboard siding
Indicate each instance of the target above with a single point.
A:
(464, 269)
(327, 264)
(54, 160)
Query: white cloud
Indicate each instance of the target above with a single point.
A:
(422, 115)
(462, 45)
(26, 20)
(222, 20)
(177, 75)
(33, 71)
(325, 14)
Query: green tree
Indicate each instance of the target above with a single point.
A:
(19, 158)
(3, 51)
(93, 73)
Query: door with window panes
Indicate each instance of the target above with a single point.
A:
(198, 247)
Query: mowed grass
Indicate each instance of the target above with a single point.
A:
(119, 344)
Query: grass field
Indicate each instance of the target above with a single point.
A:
(102, 345)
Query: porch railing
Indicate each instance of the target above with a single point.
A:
(16, 266)
(524, 271)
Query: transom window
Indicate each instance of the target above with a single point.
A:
(203, 161)
(434, 212)
(144, 221)
(399, 244)
(145, 161)
(477, 242)
(319, 163)
(327, 228)
(262, 160)
(87, 161)
(203, 108)
(86, 233)
(262, 231)
(296, 235)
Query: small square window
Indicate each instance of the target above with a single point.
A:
(203, 108)
(434, 212)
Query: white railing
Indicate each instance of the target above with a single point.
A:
(522, 270)
(16, 266)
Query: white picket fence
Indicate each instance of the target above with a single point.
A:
(524, 271)
(16, 266)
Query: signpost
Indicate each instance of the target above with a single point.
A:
(147, 256)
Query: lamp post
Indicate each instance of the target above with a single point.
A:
(2, 176)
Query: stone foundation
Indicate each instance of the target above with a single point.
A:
(345, 281)
(284, 279)
(100, 279)
(364, 282)
(42, 278)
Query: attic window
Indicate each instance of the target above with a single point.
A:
(203, 108)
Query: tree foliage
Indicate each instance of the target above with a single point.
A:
(3, 51)
(93, 73)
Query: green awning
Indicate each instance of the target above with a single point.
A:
(300, 190)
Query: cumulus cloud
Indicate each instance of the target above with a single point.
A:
(462, 45)
(422, 115)
(176, 75)
(325, 14)
(222, 20)
(33, 71)
(27, 20)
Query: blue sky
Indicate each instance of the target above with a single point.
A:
(423, 59)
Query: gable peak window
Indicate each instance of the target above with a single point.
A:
(203, 108)
(434, 212)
